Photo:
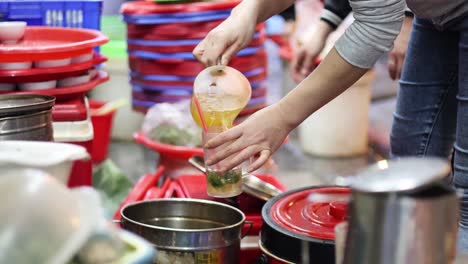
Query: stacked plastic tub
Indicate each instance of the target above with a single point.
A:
(59, 62)
(160, 41)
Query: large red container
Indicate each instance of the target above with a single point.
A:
(102, 127)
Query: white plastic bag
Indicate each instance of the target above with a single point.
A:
(172, 123)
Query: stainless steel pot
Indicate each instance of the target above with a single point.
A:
(187, 230)
(26, 117)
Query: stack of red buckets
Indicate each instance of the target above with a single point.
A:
(59, 62)
(160, 42)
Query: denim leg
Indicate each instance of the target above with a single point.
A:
(425, 116)
(460, 162)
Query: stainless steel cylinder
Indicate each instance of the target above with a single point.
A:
(26, 117)
(401, 228)
(36, 126)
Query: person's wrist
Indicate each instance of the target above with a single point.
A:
(324, 29)
(286, 119)
(246, 10)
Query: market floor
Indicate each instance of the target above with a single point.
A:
(294, 168)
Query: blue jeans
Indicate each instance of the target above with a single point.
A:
(431, 118)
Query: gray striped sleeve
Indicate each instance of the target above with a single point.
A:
(377, 23)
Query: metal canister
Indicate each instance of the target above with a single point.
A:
(26, 117)
(403, 212)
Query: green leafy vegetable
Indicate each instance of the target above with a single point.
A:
(218, 180)
(169, 134)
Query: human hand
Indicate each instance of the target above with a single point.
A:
(396, 57)
(307, 50)
(258, 136)
(224, 41)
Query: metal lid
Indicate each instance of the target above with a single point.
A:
(259, 188)
(298, 214)
(402, 175)
(18, 104)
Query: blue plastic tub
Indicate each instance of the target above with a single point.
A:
(147, 104)
(71, 13)
(179, 90)
(185, 55)
(175, 78)
(156, 19)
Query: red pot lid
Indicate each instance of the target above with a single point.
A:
(147, 8)
(297, 214)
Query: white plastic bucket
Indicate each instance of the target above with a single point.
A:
(340, 128)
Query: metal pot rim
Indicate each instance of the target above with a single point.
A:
(271, 255)
(178, 229)
(46, 103)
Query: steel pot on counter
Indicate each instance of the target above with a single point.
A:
(187, 230)
(297, 230)
(26, 117)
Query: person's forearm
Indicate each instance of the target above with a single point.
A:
(332, 77)
(262, 9)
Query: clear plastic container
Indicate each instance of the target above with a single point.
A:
(41, 220)
(227, 184)
(220, 93)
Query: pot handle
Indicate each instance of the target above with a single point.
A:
(250, 223)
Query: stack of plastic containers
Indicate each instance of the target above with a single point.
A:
(60, 62)
(160, 42)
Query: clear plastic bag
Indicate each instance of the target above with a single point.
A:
(172, 123)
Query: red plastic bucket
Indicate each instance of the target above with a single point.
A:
(102, 125)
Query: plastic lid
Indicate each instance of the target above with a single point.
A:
(147, 8)
(54, 158)
(80, 131)
(17, 104)
(297, 214)
(47, 43)
(73, 110)
(402, 175)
